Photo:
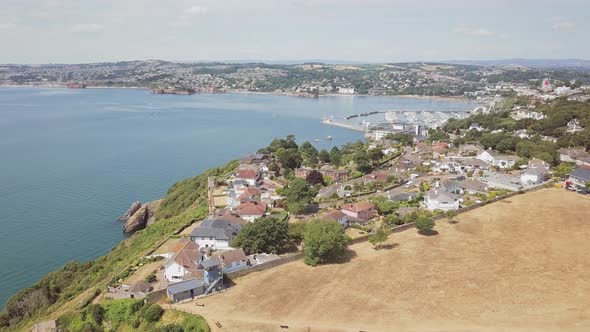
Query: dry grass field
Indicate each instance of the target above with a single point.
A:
(522, 264)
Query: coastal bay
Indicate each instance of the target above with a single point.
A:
(74, 159)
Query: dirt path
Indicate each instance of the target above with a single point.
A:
(516, 265)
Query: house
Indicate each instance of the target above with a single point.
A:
(248, 176)
(534, 175)
(446, 166)
(361, 210)
(183, 261)
(470, 150)
(578, 178)
(376, 176)
(501, 181)
(233, 260)
(186, 289)
(216, 234)
(251, 210)
(249, 194)
(464, 186)
(577, 155)
(498, 160)
(441, 200)
(229, 217)
(472, 164)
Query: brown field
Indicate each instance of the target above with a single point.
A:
(519, 265)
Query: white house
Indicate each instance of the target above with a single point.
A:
(216, 234)
(495, 159)
(185, 259)
(533, 176)
(441, 200)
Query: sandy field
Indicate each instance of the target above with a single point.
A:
(522, 264)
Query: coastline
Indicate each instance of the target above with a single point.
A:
(245, 92)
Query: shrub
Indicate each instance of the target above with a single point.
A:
(96, 312)
(153, 313)
(424, 224)
(151, 278)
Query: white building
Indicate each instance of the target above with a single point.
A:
(345, 91)
(216, 234)
(495, 159)
(441, 200)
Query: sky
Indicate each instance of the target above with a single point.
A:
(80, 31)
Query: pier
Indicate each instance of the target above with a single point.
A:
(331, 122)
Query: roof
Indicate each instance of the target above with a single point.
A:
(581, 173)
(188, 256)
(183, 286)
(401, 197)
(230, 218)
(577, 154)
(247, 174)
(219, 229)
(140, 286)
(441, 195)
(251, 208)
(334, 215)
(359, 206)
(229, 257)
(210, 262)
(183, 243)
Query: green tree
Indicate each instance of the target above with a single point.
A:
(153, 313)
(362, 161)
(375, 155)
(424, 224)
(289, 158)
(266, 235)
(298, 193)
(451, 214)
(324, 242)
(315, 177)
(335, 156)
(378, 238)
(324, 156)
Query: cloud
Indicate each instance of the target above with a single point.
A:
(472, 31)
(87, 27)
(563, 25)
(7, 25)
(195, 10)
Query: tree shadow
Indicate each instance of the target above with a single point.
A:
(431, 232)
(348, 256)
(453, 222)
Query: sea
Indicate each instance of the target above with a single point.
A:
(73, 160)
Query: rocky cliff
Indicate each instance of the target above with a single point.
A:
(139, 216)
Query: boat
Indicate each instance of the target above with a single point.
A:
(329, 138)
(316, 140)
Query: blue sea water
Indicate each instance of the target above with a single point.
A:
(71, 161)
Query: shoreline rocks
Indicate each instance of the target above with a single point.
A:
(139, 216)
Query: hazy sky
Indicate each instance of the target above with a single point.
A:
(42, 31)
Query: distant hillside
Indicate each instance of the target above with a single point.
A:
(535, 63)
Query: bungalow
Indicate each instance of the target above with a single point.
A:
(185, 290)
(495, 159)
(578, 178)
(252, 210)
(446, 166)
(502, 181)
(234, 260)
(472, 164)
(216, 234)
(361, 210)
(464, 186)
(441, 200)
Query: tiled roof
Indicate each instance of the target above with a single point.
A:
(357, 207)
(232, 256)
(251, 209)
(247, 174)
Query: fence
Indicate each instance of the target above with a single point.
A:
(264, 266)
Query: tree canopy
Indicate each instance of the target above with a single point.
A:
(266, 235)
(325, 242)
(298, 193)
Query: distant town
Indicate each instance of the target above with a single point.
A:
(306, 80)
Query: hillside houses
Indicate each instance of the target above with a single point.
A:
(578, 156)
